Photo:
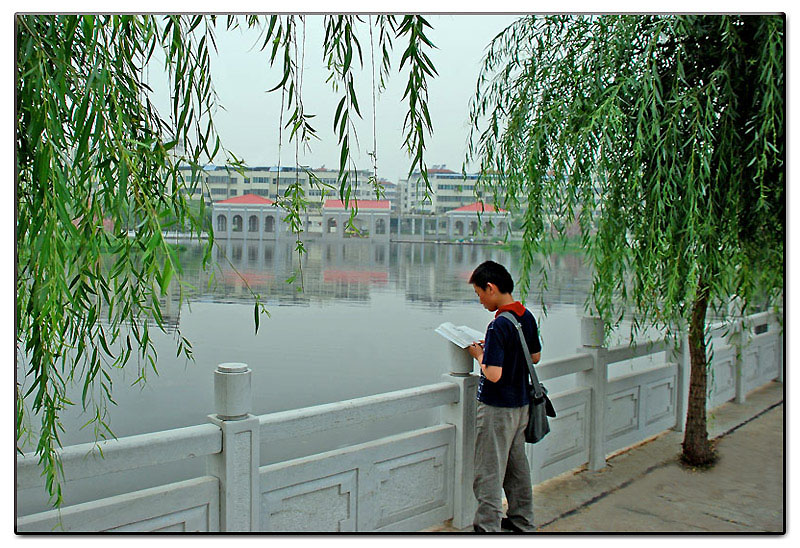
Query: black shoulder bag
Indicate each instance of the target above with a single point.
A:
(540, 407)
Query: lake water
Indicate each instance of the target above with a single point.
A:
(363, 324)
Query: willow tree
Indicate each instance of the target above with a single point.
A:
(98, 183)
(663, 138)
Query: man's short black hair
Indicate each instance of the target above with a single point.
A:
(492, 272)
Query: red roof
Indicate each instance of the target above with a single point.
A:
(108, 223)
(247, 199)
(251, 277)
(361, 204)
(479, 206)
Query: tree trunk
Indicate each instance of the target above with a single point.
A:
(697, 450)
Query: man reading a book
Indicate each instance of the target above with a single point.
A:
(502, 412)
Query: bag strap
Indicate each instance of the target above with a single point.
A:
(538, 389)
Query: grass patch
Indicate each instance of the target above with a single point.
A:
(567, 246)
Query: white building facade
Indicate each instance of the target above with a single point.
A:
(248, 217)
(372, 219)
(449, 190)
(477, 220)
(218, 183)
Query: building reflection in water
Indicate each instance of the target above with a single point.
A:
(427, 274)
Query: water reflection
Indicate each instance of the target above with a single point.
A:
(352, 270)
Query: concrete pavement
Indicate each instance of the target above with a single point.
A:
(646, 490)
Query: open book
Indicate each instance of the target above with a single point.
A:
(461, 335)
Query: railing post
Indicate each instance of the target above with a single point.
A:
(237, 465)
(462, 415)
(684, 364)
(738, 338)
(592, 341)
(779, 341)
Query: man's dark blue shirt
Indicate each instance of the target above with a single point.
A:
(502, 348)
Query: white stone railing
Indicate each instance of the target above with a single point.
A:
(186, 505)
(407, 481)
(96, 459)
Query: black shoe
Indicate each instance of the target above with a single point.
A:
(478, 529)
(508, 525)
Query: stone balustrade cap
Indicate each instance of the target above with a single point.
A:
(232, 368)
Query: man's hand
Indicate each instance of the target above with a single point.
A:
(476, 351)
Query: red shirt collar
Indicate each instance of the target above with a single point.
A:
(515, 307)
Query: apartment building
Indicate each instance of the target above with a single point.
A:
(449, 190)
(217, 183)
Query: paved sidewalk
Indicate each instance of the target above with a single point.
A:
(646, 490)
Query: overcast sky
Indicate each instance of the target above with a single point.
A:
(249, 123)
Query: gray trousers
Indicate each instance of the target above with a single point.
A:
(501, 465)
